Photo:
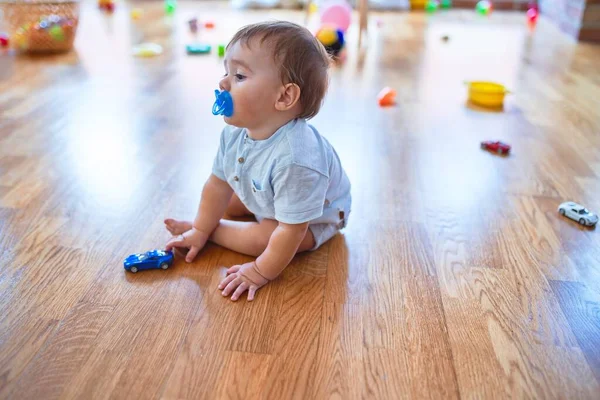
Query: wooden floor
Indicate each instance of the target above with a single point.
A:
(456, 277)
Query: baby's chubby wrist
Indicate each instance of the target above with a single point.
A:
(202, 233)
(251, 272)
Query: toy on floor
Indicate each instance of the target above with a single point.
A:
(153, 259)
(49, 33)
(336, 13)
(223, 104)
(532, 16)
(106, 5)
(487, 94)
(147, 50)
(387, 97)
(193, 24)
(431, 6)
(209, 24)
(221, 50)
(496, 147)
(3, 40)
(332, 39)
(578, 213)
(136, 13)
(446, 3)
(484, 7)
(198, 48)
(170, 6)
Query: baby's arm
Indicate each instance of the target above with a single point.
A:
(282, 247)
(213, 203)
(283, 244)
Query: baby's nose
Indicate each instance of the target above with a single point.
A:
(224, 84)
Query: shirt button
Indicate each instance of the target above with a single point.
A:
(241, 160)
(235, 178)
(326, 203)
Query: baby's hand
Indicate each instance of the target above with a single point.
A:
(241, 278)
(192, 239)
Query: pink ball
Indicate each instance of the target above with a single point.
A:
(337, 14)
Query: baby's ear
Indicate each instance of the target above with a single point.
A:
(288, 97)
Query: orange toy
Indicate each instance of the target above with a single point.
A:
(387, 97)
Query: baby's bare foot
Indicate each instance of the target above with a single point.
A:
(177, 227)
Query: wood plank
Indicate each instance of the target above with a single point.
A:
(199, 362)
(292, 367)
(243, 375)
(66, 351)
(581, 308)
(340, 360)
(17, 351)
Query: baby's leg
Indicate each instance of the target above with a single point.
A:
(235, 209)
(252, 238)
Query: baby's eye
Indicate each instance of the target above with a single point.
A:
(240, 77)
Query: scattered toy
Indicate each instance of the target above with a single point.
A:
(170, 6)
(332, 39)
(496, 147)
(136, 13)
(431, 6)
(153, 259)
(147, 50)
(532, 16)
(198, 48)
(578, 213)
(4, 40)
(193, 24)
(387, 97)
(484, 7)
(487, 94)
(106, 5)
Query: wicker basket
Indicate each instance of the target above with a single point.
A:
(39, 26)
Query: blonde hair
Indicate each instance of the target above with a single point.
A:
(302, 59)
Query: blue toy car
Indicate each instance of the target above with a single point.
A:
(152, 259)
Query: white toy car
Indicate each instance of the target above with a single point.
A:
(578, 213)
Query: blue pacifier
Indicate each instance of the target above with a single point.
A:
(223, 104)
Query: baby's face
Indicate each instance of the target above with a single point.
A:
(253, 80)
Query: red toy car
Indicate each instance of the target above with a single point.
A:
(496, 147)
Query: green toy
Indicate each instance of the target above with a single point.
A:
(446, 3)
(170, 6)
(221, 50)
(483, 7)
(57, 33)
(431, 6)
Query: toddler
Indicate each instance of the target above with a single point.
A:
(271, 164)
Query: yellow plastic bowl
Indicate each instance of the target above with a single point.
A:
(487, 94)
(417, 4)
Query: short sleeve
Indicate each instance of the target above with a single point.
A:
(218, 169)
(299, 194)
